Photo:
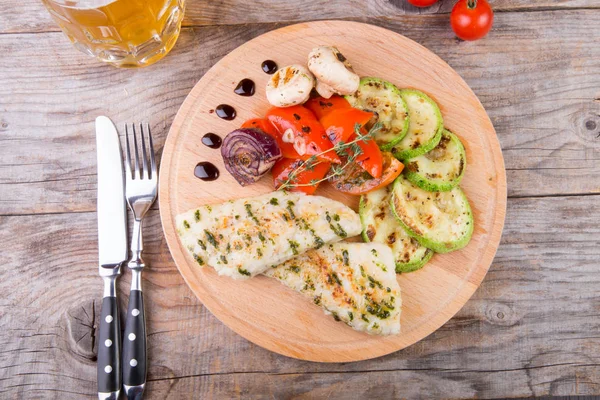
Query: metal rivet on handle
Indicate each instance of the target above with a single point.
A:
(108, 342)
(108, 369)
(135, 312)
(131, 337)
(108, 318)
(133, 362)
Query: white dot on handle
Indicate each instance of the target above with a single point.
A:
(131, 337)
(108, 369)
(135, 312)
(108, 318)
(133, 362)
(108, 342)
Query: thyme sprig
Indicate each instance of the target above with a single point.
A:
(348, 151)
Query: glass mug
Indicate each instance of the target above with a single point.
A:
(124, 33)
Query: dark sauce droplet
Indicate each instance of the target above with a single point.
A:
(225, 111)
(245, 87)
(269, 66)
(211, 140)
(206, 171)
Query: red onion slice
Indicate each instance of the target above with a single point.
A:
(248, 154)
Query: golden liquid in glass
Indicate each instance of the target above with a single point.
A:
(125, 33)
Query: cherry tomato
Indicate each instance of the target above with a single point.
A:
(339, 125)
(471, 19)
(422, 3)
(356, 181)
(300, 134)
(262, 124)
(283, 167)
(320, 106)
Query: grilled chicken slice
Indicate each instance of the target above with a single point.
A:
(354, 282)
(244, 237)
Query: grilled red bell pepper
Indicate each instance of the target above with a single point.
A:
(300, 135)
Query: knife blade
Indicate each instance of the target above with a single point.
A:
(112, 217)
(112, 252)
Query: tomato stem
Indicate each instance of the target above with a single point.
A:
(471, 4)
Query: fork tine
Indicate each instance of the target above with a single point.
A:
(152, 160)
(127, 154)
(137, 155)
(145, 171)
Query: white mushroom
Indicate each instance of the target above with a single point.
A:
(290, 86)
(333, 72)
(324, 89)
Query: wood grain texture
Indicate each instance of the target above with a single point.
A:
(530, 329)
(264, 311)
(31, 16)
(538, 85)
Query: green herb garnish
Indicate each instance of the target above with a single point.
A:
(211, 238)
(349, 151)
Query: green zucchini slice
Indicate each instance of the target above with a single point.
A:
(425, 127)
(441, 169)
(380, 225)
(441, 221)
(383, 98)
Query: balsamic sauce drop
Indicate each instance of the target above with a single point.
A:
(245, 87)
(225, 111)
(269, 67)
(206, 171)
(211, 140)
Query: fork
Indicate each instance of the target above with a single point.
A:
(140, 191)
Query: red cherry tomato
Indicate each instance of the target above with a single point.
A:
(320, 106)
(471, 19)
(422, 3)
(300, 134)
(283, 167)
(356, 181)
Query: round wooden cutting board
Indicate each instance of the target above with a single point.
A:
(261, 309)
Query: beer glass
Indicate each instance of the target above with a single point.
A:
(124, 33)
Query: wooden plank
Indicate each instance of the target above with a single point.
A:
(531, 328)
(539, 86)
(31, 16)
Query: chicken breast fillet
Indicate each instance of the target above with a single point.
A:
(354, 282)
(244, 237)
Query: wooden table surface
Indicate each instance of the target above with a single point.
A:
(532, 328)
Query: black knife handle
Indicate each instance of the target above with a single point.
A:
(109, 350)
(134, 347)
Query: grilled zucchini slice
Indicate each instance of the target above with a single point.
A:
(425, 127)
(441, 169)
(380, 225)
(383, 98)
(441, 221)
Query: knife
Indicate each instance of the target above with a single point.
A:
(112, 249)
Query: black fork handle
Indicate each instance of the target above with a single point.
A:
(134, 342)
